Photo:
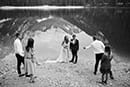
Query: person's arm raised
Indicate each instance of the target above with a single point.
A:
(87, 47)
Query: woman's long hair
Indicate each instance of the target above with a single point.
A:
(30, 44)
(66, 40)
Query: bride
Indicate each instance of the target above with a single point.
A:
(64, 53)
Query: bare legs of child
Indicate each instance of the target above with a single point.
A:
(104, 78)
(111, 75)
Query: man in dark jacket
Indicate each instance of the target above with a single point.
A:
(74, 47)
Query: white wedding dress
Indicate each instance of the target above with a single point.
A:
(63, 56)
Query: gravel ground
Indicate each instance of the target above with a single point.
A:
(62, 74)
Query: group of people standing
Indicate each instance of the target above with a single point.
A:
(104, 54)
(67, 46)
(25, 54)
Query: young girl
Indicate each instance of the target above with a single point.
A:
(105, 68)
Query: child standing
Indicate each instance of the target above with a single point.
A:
(105, 68)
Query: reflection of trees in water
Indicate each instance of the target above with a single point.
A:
(62, 2)
(8, 31)
(24, 24)
(113, 23)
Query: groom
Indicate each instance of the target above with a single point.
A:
(74, 47)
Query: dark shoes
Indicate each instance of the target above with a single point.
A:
(94, 73)
(70, 61)
(112, 77)
(27, 75)
(104, 82)
(21, 75)
(73, 62)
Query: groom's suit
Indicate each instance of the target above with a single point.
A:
(74, 47)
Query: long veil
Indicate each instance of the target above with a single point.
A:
(59, 59)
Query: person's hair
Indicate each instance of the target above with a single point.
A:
(94, 38)
(66, 39)
(73, 35)
(17, 34)
(108, 49)
(30, 44)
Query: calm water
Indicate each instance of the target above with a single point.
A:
(113, 23)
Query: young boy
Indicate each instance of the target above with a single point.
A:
(105, 68)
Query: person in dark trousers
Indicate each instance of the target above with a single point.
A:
(19, 53)
(105, 67)
(74, 47)
(98, 48)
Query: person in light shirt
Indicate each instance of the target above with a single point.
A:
(19, 53)
(98, 48)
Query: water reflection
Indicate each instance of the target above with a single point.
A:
(113, 23)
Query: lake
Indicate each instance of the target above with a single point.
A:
(114, 23)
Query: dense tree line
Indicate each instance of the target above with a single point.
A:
(62, 2)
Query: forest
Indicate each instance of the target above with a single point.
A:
(65, 2)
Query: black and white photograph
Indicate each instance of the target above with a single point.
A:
(64, 43)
